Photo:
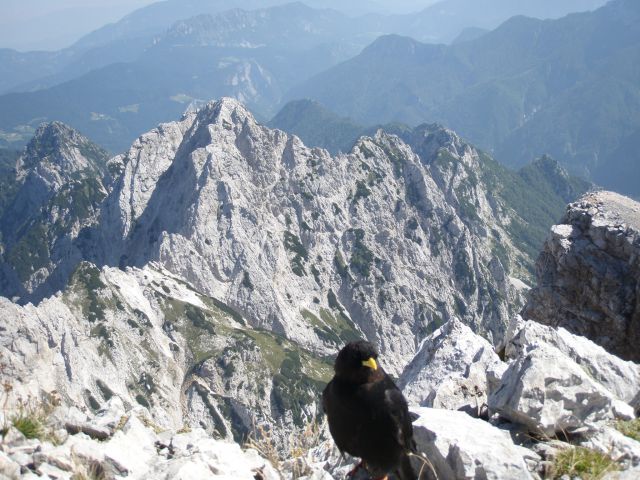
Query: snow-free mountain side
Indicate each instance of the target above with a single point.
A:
(444, 179)
(189, 294)
(215, 232)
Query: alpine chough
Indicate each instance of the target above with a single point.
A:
(368, 415)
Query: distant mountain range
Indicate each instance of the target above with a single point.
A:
(567, 87)
(255, 56)
(125, 40)
(493, 87)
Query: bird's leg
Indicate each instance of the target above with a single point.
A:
(355, 469)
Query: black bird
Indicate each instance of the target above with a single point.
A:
(368, 415)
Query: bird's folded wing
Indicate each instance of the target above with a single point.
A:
(399, 411)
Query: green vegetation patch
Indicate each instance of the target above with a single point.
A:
(340, 324)
(8, 183)
(583, 463)
(299, 383)
(275, 349)
(396, 157)
(78, 199)
(361, 257)
(271, 347)
(199, 319)
(340, 264)
(196, 325)
(31, 252)
(29, 425)
(95, 297)
(336, 329)
(629, 428)
(537, 194)
(294, 245)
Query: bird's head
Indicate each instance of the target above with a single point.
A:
(357, 362)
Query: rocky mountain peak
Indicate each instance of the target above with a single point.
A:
(428, 139)
(298, 241)
(59, 152)
(228, 261)
(58, 189)
(588, 273)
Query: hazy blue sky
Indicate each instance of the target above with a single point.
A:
(23, 9)
(53, 24)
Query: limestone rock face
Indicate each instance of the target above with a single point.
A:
(621, 378)
(147, 338)
(452, 370)
(222, 263)
(380, 243)
(550, 383)
(589, 274)
(552, 387)
(461, 447)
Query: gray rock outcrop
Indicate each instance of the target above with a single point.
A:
(460, 447)
(553, 385)
(146, 337)
(589, 274)
(621, 378)
(228, 260)
(452, 370)
(135, 448)
(59, 186)
(546, 384)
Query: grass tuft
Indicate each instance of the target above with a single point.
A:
(32, 417)
(29, 425)
(629, 428)
(585, 463)
(291, 453)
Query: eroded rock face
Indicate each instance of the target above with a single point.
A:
(147, 338)
(621, 378)
(452, 370)
(589, 274)
(549, 383)
(553, 386)
(133, 448)
(381, 243)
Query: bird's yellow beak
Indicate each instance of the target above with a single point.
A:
(371, 363)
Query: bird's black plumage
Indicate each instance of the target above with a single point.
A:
(367, 414)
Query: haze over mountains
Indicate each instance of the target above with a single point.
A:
(567, 87)
(124, 78)
(518, 91)
(51, 25)
(201, 205)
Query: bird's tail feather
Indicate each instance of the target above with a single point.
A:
(405, 470)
